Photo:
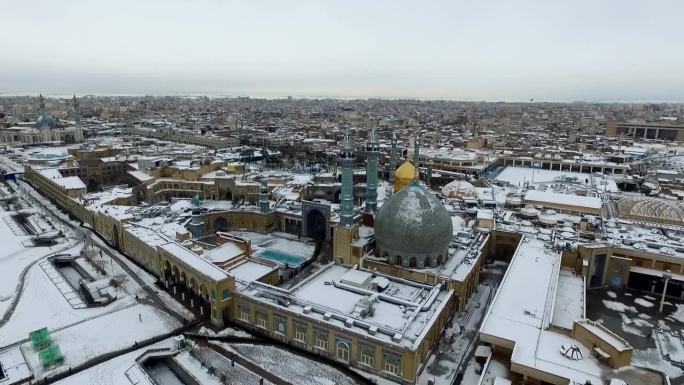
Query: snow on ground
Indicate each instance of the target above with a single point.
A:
(194, 367)
(643, 302)
(652, 359)
(611, 294)
(678, 315)
(238, 374)
(671, 344)
(112, 371)
(132, 287)
(107, 333)
(227, 332)
(663, 325)
(471, 375)
(296, 369)
(14, 258)
(457, 339)
(618, 306)
(633, 330)
(42, 305)
(495, 369)
(636, 321)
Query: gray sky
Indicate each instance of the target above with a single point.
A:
(469, 50)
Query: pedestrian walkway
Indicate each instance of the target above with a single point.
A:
(63, 286)
(14, 226)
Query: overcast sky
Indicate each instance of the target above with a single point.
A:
(468, 50)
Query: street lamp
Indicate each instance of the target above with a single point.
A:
(667, 275)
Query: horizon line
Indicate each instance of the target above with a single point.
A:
(216, 95)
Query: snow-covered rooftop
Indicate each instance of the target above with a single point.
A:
(250, 271)
(195, 261)
(564, 199)
(522, 311)
(402, 313)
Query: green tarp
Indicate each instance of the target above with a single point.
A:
(40, 339)
(50, 355)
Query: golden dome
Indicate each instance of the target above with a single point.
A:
(406, 171)
(405, 175)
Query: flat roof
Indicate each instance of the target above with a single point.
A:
(70, 183)
(521, 312)
(141, 176)
(223, 253)
(195, 261)
(564, 199)
(249, 271)
(403, 312)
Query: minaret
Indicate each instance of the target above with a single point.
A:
(41, 104)
(264, 203)
(393, 155)
(346, 161)
(196, 225)
(77, 113)
(416, 149)
(372, 151)
(346, 232)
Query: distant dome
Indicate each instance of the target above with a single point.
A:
(650, 210)
(413, 229)
(45, 121)
(459, 189)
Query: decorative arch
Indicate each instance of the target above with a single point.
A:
(342, 350)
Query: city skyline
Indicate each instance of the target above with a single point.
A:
(611, 51)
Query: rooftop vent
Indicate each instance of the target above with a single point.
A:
(327, 316)
(307, 309)
(397, 337)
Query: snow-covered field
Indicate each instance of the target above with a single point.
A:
(107, 333)
(14, 258)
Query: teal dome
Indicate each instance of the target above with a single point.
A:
(413, 229)
(45, 121)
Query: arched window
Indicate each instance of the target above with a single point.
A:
(428, 262)
(398, 259)
(413, 262)
(342, 351)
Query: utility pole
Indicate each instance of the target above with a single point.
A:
(667, 275)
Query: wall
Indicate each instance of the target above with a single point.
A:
(297, 321)
(618, 358)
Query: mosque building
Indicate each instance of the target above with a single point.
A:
(412, 229)
(44, 131)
